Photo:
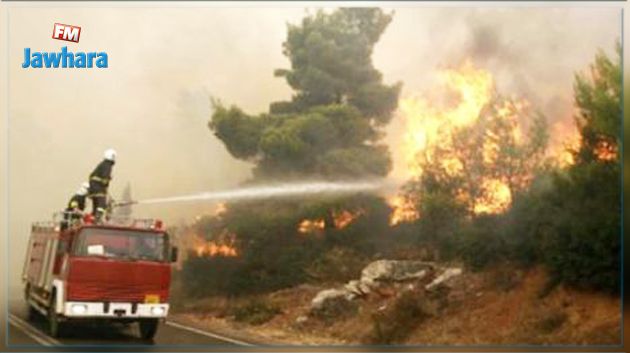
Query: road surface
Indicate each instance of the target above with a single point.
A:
(23, 333)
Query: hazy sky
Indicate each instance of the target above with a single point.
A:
(152, 106)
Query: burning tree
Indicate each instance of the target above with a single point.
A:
(598, 97)
(468, 152)
(475, 154)
(485, 163)
(484, 191)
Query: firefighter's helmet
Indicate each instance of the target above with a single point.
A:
(110, 154)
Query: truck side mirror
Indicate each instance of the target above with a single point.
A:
(174, 252)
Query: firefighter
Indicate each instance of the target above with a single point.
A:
(75, 207)
(99, 182)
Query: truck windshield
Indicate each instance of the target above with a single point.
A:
(122, 244)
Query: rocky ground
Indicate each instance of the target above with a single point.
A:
(420, 303)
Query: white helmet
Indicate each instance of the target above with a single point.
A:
(83, 189)
(110, 154)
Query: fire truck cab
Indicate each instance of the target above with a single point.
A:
(115, 271)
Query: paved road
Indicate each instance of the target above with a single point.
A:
(23, 332)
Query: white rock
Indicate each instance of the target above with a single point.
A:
(365, 288)
(353, 287)
(357, 288)
(301, 319)
(328, 294)
(444, 277)
(394, 270)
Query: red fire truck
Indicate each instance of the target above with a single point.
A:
(118, 271)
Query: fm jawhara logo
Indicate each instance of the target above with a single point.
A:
(64, 58)
(68, 33)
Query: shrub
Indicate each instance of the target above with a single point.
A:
(255, 313)
(335, 309)
(583, 248)
(337, 265)
(551, 321)
(481, 243)
(394, 325)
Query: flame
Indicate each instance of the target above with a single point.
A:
(311, 225)
(465, 93)
(403, 210)
(340, 219)
(344, 218)
(212, 249)
(606, 151)
(427, 123)
(565, 153)
(565, 140)
(570, 141)
(498, 197)
(220, 209)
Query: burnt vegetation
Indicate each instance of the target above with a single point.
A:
(566, 217)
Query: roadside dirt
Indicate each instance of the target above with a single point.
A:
(498, 307)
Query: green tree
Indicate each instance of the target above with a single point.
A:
(331, 60)
(332, 126)
(598, 98)
(583, 248)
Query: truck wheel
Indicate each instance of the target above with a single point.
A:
(54, 325)
(148, 328)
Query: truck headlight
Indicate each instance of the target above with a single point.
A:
(78, 309)
(157, 311)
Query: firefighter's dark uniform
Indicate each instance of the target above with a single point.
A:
(72, 213)
(99, 181)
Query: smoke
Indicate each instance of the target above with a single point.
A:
(532, 53)
(273, 191)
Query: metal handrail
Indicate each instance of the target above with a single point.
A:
(59, 217)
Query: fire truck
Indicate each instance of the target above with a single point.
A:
(82, 270)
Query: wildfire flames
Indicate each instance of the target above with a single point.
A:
(344, 218)
(468, 91)
(606, 151)
(499, 197)
(311, 225)
(428, 123)
(433, 119)
(220, 209)
(340, 220)
(210, 248)
(403, 210)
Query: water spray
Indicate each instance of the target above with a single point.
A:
(269, 191)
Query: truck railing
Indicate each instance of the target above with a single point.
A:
(44, 226)
(74, 219)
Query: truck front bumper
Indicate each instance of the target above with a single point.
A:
(114, 310)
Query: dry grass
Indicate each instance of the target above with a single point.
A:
(520, 316)
(493, 307)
